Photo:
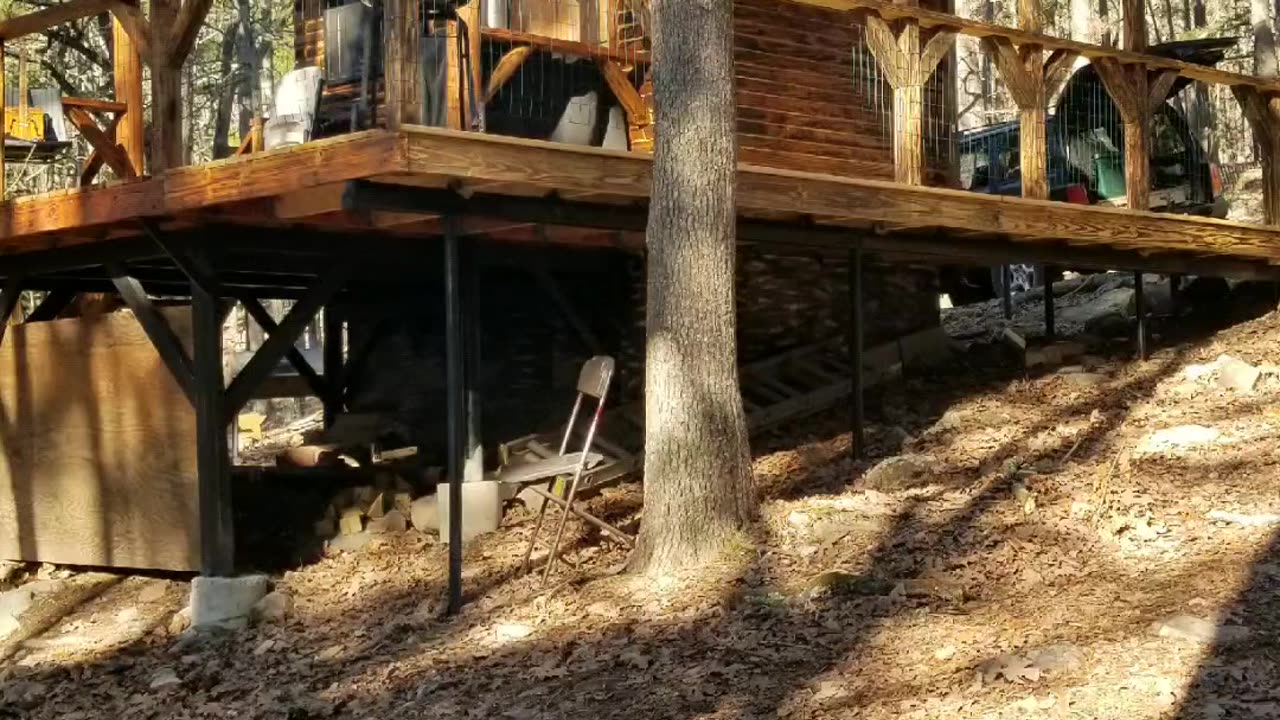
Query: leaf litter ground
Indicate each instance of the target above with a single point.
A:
(1029, 552)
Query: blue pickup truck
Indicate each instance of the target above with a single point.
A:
(1085, 151)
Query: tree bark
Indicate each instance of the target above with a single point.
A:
(698, 486)
(1264, 39)
(226, 93)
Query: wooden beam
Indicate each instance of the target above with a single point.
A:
(403, 66)
(95, 105)
(628, 97)
(9, 301)
(1023, 70)
(129, 18)
(458, 95)
(41, 20)
(287, 333)
(1127, 86)
(292, 354)
(155, 326)
(906, 69)
(93, 164)
(1058, 69)
(505, 70)
(929, 19)
(126, 61)
(52, 305)
(187, 28)
(104, 145)
(213, 465)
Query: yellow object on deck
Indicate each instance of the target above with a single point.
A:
(29, 127)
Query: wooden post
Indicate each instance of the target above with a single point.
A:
(166, 90)
(127, 76)
(857, 411)
(402, 76)
(213, 467)
(458, 95)
(906, 68)
(1128, 87)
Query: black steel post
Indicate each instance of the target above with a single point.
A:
(1050, 331)
(1006, 291)
(1139, 304)
(857, 414)
(213, 466)
(334, 358)
(1175, 294)
(455, 366)
(471, 371)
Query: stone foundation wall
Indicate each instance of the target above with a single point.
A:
(530, 354)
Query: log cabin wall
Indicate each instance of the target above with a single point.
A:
(810, 97)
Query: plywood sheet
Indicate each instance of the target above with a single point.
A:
(99, 461)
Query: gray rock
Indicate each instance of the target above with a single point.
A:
(16, 601)
(391, 522)
(350, 543)
(214, 601)
(1057, 658)
(1235, 374)
(154, 592)
(164, 678)
(1200, 630)
(22, 694)
(273, 607)
(424, 514)
(898, 473)
(351, 522)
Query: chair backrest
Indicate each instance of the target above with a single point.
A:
(595, 376)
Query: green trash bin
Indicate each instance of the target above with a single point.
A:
(1108, 169)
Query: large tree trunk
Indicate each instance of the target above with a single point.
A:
(698, 490)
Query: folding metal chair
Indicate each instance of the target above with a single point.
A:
(593, 382)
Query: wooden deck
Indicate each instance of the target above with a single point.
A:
(303, 186)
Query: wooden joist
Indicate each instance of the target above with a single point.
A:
(467, 161)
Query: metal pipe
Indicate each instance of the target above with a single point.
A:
(1050, 331)
(455, 350)
(1141, 309)
(857, 410)
(1006, 291)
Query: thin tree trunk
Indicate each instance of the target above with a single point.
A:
(226, 94)
(1264, 39)
(250, 64)
(698, 487)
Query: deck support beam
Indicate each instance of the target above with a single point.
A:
(51, 306)
(286, 335)
(213, 464)
(156, 327)
(857, 411)
(334, 400)
(9, 300)
(456, 404)
(295, 357)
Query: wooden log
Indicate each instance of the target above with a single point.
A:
(41, 20)
(505, 70)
